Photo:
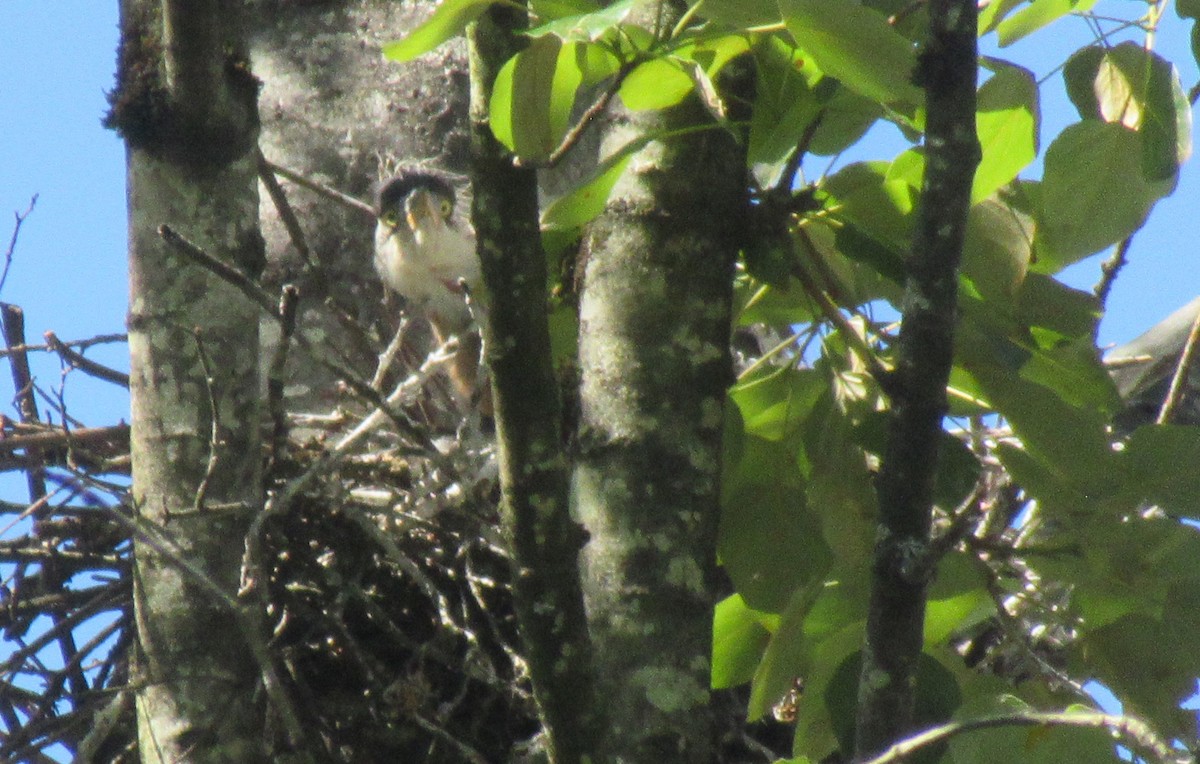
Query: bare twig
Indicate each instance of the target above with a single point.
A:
(78, 361)
(99, 339)
(12, 242)
(1134, 731)
(288, 300)
(320, 188)
(215, 441)
(295, 231)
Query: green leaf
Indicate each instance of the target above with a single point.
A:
(856, 45)
(847, 118)
(1162, 463)
(1038, 14)
(588, 27)
(879, 206)
(1094, 192)
(992, 13)
(448, 20)
(997, 250)
(525, 88)
(1029, 745)
(769, 542)
(656, 84)
(1137, 88)
(1007, 121)
(775, 403)
(739, 639)
(741, 14)
(587, 201)
(549, 10)
(839, 485)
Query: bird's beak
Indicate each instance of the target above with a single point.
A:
(420, 209)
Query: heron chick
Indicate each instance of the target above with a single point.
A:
(425, 254)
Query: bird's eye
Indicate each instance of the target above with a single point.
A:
(445, 207)
(390, 218)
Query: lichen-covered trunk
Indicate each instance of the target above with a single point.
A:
(185, 106)
(654, 364)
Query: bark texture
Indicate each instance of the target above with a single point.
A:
(543, 538)
(185, 104)
(654, 363)
(902, 563)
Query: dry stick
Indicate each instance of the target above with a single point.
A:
(99, 339)
(1131, 729)
(259, 296)
(1179, 378)
(12, 242)
(320, 188)
(61, 437)
(78, 361)
(161, 543)
(284, 208)
(289, 298)
(215, 442)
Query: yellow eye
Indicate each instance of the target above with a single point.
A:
(445, 207)
(390, 218)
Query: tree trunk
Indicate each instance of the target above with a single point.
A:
(185, 106)
(654, 361)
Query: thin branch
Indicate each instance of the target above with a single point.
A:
(215, 441)
(289, 298)
(295, 231)
(1132, 730)
(78, 361)
(12, 242)
(1179, 379)
(834, 315)
(99, 339)
(1109, 270)
(328, 192)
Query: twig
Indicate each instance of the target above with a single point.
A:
(99, 339)
(1131, 729)
(12, 242)
(1109, 270)
(585, 120)
(289, 298)
(78, 361)
(831, 312)
(295, 231)
(215, 442)
(259, 296)
(56, 436)
(320, 188)
(1179, 379)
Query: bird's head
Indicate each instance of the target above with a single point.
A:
(417, 201)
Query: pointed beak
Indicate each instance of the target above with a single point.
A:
(421, 210)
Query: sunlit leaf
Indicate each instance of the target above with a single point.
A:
(656, 84)
(587, 200)
(997, 249)
(589, 27)
(856, 45)
(549, 10)
(1038, 14)
(1007, 122)
(448, 20)
(739, 639)
(524, 90)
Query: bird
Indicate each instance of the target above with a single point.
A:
(424, 253)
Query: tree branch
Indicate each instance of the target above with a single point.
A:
(900, 570)
(543, 539)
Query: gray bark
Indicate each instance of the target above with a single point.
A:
(654, 362)
(186, 110)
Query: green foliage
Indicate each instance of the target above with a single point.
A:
(1063, 538)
